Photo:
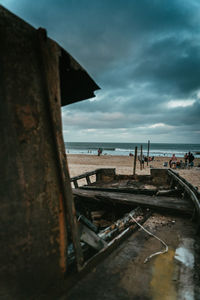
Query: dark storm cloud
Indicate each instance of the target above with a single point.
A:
(143, 54)
(173, 63)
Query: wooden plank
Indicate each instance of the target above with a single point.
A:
(190, 192)
(91, 238)
(121, 190)
(120, 225)
(141, 157)
(87, 222)
(75, 184)
(150, 192)
(148, 148)
(84, 175)
(156, 202)
(135, 161)
(88, 180)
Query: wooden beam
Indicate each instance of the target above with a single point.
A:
(135, 161)
(148, 148)
(75, 184)
(84, 175)
(120, 225)
(91, 238)
(88, 180)
(156, 202)
(130, 190)
(191, 194)
(150, 192)
(141, 157)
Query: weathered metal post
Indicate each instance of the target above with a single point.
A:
(148, 153)
(141, 157)
(135, 161)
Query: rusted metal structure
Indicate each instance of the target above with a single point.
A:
(37, 76)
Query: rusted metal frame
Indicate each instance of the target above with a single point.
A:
(192, 195)
(52, 97)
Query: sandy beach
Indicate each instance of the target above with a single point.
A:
(80, 163)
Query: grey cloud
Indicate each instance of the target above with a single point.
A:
(141, 53)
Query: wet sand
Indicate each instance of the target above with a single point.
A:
(80, 163)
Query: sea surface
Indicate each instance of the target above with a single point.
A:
(156, 149)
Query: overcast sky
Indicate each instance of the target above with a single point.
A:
(145, 56)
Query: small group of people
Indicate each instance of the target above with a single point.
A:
(188, 161)
(144, 158)
(151, 158)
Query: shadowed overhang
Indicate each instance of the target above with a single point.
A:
(75, 83)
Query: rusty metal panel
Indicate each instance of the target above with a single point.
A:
(32, 225)
(50, 52)
(36, 201)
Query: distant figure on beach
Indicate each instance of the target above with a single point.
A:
(173, 161)
(100, 151)
(130, 154)
(190, 159)
(186, 159)
(151, 158)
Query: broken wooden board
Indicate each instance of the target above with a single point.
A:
(131, 190)
(156, 202)
(120, 189)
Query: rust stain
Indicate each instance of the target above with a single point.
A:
(26, 116)
(62, 235)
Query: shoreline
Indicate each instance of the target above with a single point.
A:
(127, 154)
(81, 163)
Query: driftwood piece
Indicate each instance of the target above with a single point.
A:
(170, 203)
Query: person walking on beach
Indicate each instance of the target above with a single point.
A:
(99, 151)
(173, 161)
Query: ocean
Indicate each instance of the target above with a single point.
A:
(156, 149)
